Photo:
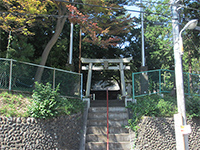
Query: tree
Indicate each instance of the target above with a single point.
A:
(3, 43)
(20, 49)
(190, 37)
(19, 15)
(191, 42)
(158, 44)
(96, 32)
(91, 28)
(62, 10)
(118, 24)
(108, 23)
(158, 35)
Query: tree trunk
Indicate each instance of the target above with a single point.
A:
(59, 27)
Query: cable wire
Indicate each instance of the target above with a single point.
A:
(138, 4)
(92, 5)
(187, 7)
(38, 15)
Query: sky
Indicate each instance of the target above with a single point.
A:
(133, 14)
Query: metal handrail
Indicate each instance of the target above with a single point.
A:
(107, 121)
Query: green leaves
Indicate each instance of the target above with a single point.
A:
(193, 106)
(152, 106)
(19, 15)
(166, 108)
(47, 103)
(158, 35)
(157, 106)
(71, 106)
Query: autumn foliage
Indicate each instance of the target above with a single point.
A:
(19, 15)
(98, 34)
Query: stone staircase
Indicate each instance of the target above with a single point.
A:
(96, 136)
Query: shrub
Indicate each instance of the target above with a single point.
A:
(46, 101)
(71, 106)
(192, 106)
(153, 106)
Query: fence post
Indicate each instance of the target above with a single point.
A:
(133, 86)
(188, 84)
(81, 86)
(54, 78)
(10, 77)
(159, 81)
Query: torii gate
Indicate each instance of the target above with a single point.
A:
(121, 67)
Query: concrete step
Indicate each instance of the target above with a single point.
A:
(103, 103)
(104, 109)
(109, 101)
(123, 137)
(112, 146)
(103, 130)
(115, 123)
(112, 115)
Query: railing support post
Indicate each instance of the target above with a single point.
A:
(54, 78)
(159, 81)
(10, 77)
(107, 121)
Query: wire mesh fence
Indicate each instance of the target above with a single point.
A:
(17, 75)
(163, 81)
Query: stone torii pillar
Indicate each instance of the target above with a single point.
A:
(121, 67)
(88, 86)
(123, 87)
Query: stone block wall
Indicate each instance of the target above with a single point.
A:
(61, 133)
(159, 134)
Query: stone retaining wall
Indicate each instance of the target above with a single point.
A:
(29, 133)
(63, 133)
(159, 134)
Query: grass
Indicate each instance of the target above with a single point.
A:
(157, 106)
(19, 104)
(14, 104)
(153, 106)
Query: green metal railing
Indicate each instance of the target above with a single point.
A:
(162, 81)
(17, 75)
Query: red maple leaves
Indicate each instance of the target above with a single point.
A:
(95, 34)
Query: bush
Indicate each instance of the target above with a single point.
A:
(192, 106)
(71, 106)
(153, 106)
(46, 101)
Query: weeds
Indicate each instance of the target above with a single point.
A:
(157, 106)
(48, 103)
(13, 104)
(153, 106)
(44, 103)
